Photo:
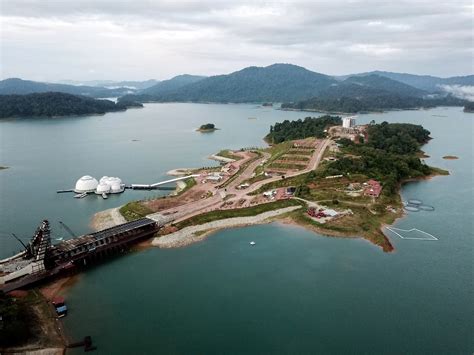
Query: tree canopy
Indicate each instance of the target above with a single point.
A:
(299, 129)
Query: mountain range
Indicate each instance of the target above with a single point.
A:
(287, 83)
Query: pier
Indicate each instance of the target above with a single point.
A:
(155, 185)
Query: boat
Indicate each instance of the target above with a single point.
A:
(252, 243)
(104, 196)
(84, 194)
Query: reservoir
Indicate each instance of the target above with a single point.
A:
(294, 291)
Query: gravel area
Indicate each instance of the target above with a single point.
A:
(106, 219)
(188, 235)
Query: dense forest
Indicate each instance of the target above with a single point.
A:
(390, 155)
(469, 107)
(379, 102)
(207, 127)
(56, 104)
(309, 127)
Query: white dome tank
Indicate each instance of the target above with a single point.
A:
(86, 184)
(116, 187)
(102, 188)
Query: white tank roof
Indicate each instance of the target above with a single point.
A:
(86, 184)
(103, 187)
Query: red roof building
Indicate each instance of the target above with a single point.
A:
(373, 188)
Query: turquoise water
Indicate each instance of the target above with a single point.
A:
(295, 291)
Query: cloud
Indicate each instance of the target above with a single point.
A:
(465, 92)
(141, 39)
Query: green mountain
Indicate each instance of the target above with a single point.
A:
(423, 82)
(22, 87)
(377, 102)
(56, 104)
(277, 82)
(171, 85)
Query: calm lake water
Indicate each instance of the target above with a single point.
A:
(294, 292)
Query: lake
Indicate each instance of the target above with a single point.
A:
(294, 292)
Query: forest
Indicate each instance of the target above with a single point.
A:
(390, 155)
(52, 104)
(299, 129)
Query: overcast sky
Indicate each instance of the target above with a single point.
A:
(99, 39)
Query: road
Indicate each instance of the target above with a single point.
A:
(214, 202)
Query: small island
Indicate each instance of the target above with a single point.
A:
(3, 167)
(450, 157)
(208, 127)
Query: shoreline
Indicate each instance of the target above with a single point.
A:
(192, 234)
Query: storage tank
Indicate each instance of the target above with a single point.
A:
(86, 184)
(102, 188)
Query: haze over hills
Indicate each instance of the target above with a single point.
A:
(423, 82)
(171, 85)
(295, 86)
(112, 84)
(22, 87)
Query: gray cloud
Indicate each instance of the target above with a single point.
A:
(92, 39)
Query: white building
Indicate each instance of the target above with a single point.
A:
(349, 122)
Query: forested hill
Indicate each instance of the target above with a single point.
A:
(56, 104)
(423, 82)
(298, 129)
(15, 86)
(354, 103)
(275, 83)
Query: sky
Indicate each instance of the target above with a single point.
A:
(53, 40)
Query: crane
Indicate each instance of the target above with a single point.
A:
(67, 229)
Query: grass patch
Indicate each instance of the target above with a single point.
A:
(287, 157)
(307, 152)
(226, 153)
(292, 166)
(240, 212)
(438, 171)
(191, 182)
(134, 210)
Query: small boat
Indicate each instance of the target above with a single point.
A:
(84, 194)
(252, 243)
(104, 196)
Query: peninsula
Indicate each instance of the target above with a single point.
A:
(338, 180)
(54, 104)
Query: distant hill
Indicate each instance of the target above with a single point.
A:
(277, 82)
(171, 85)
(22, 87)
(423, 82)
(108, 84)
(379, 102)
(55, 104)
(370, 86)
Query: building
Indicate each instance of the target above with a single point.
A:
(372, 188)
(349, 122)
